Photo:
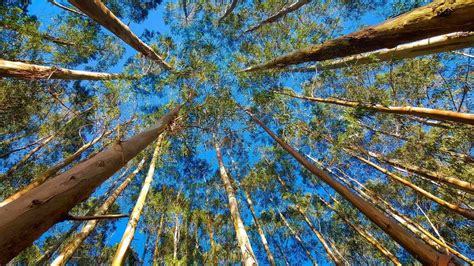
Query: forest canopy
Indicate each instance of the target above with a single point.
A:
(254, 132)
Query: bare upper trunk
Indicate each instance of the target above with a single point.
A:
(25, 219)
(96, 10)
(415, 246)
(71, 247)
(437, 18)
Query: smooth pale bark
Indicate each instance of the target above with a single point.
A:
(437, 18)
(71, 247)
(260, 231)
(437, 114)
(159, 232)
(308, 221)
(54, 169)
(281, 13)
(25, 219)
(453, 207)
(298, 239)
(176, 236)
(26, 157)
(229, 10)
(439, 44)
(96, 10)
(435, 176)
(363, 233)
(31, 71)
(248, 257)
(419, 249)
(137, 209)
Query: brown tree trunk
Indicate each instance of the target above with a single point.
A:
(317, 234)
(248, 257)
(298, 239)
(30, 71)
(71, 247)
(54, 169)
(283, 12)
(260, 231)
(96, 10)
(464, 212)
(437, 18)
(415, 246)
(437, 114)
(129, 232)
(210, 231)
(25, 219)
(439, 44)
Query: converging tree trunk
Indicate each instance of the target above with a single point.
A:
(139, 205)
(31, 71)
(260, 231)
(229, 10)
(281, 13)
(437, 18)
(298, 239)
(415, 246)
(437, 114)
(96, 10)
(71, 247)
(439, 44)
(25, 219)
(159, 232)
(248, 257)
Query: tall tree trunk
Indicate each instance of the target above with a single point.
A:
(26, 157)
(145, 249)
(437, 114)
(71, 247)
(316, 233)
(210, 231)
(281, 13)
(248, 257)
(382, 204)
(96, 10)
(464, 212)
(439, 44)
(50, 202)
(129, 232)
(54, 169)
(415, 246)
(298, 239)
(32, 71)
(435, 176)
(260, 231)
(176, 236)
(363, 233)
(282, 254)
(159, 232)
(437, 18)
(229, 10)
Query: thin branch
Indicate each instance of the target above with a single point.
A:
(66, 8)
(95, 217)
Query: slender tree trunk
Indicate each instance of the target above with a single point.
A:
(466, 213)
(26, 157)
(382, 204)
(210, 231)
(248, 257)
(71, 247)
(439, 44)
(282, 254)
(30, 71)
(96, 10)
(437, 114)
(176, 236)
(54, 169)
(435, 176)
(317, 234)
(260, 231)
(229, 10)
(50, 202)
(137, 210)
(159, 232)
(145, 249)
(283, 12)
(298, 239)
(415, 246)
(437, 18)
